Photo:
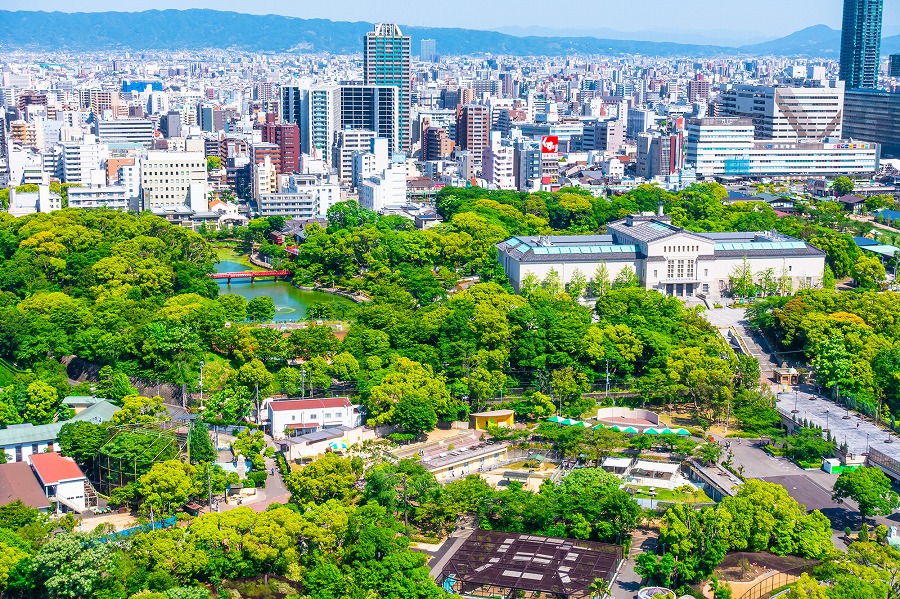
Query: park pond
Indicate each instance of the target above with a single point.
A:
(290, 302)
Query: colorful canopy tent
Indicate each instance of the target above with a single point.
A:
(631, 430)
(599, 426)
(652, 431)
(568, 422)
(682, 432)
(557, 419)
(580, 424)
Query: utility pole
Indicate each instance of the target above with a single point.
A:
(209, 483)
(405, 504)
(201, 385)
(190, 430)
(302, 383)
(607, 378)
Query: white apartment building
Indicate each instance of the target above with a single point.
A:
(296, 417)
(348, 142)
(664, 257)
(125, 131)
(801, 110)
(25, 203)
(498, 163)
(83, 162)
(112, 197)
(372, 162)
(301, 196)
(263, 178)
(173, 179)
(725, 146)
(130, 178)
(385, 189)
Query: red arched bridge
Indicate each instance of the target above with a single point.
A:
(250, 274)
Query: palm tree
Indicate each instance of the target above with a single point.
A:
(599, 588)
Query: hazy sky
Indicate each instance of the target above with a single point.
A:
(758, 18)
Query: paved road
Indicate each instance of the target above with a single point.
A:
(812, 488)
(628, 581)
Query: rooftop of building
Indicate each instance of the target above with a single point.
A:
(562, 567)
(287, 405)
(53, 468)
(27, 434)
(644, 229)
(17, 482)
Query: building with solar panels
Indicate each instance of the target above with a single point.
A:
(667, 258)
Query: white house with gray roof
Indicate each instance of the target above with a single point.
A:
(664, 257)
(19, 441)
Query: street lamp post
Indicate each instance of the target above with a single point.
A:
(827, 413)
(201, 385)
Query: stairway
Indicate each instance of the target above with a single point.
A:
(758, 348)
(90, 495)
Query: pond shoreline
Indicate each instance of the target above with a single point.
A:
(291, 300)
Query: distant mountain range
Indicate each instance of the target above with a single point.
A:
(197, 29)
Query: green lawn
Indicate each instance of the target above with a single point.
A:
(674, 496)
(7, 373)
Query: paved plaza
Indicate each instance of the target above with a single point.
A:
(859, 432)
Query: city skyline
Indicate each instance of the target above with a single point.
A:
(697, 16)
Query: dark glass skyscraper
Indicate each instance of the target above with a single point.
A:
(861, 43)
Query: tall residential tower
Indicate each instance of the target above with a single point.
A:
(387, 62)
(861, 43)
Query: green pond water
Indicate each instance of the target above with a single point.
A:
(290, 303)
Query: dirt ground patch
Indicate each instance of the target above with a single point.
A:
(746, 567)
(119, 521)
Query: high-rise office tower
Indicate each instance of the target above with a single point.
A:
(386, 61)
(292, 97)
(375, 108)
(473, 126)
(428, 51)
(894, 66)
(861, 43)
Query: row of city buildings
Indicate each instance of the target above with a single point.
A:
(292, 135)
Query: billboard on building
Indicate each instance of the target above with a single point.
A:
(550, 144)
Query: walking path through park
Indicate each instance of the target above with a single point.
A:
(627, 583)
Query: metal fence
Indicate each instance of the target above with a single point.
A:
(769, 586)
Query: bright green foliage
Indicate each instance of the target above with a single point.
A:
(415, 415)
(41, 404)
(260, 309)
(842, 186)
(69, 567)
(807, 588)
(850, 338)
(763, 517)
(692, 537)
(870, 488)
(234, 306)
(167, 486)
(137, 409)
(869, 273)
(200, 444)
(329, 477)
(113, 384)
(808, 445)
